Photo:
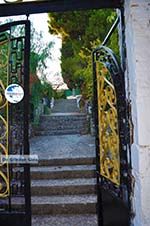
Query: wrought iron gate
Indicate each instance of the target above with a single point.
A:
(113, 153)
(15, 205)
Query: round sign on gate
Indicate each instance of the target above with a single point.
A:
(14, 93)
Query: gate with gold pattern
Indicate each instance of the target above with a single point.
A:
(15, 207)
(113, 151)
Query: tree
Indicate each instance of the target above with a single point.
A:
(81, 32)
(39, 53)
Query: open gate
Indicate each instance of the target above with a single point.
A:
(15, 205)
(112, 140)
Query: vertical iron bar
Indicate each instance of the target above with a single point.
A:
(95, 115)
(9, 122)
(26, 122)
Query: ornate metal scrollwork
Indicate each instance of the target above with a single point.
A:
(12, 47)
(14, 174)
(108, 126)
(112, 118)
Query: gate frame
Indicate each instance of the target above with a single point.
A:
(22, 218)
(118, 22)
(10, 9)
(58, 6)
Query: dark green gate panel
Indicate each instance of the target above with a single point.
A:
(15, 203)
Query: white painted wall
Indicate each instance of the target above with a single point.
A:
(137, 21)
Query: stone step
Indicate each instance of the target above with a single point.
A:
(66, 204)
(63, 187)
(82, 160)
(62, 120)
(65, 105)
(58, 115)
(63, 124)
(69, 204)
(65, 220)
(63, 172)
(61, 132)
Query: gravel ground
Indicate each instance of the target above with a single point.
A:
(65, 220)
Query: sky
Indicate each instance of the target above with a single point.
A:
(53, 70)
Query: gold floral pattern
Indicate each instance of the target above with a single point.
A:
(108, 126)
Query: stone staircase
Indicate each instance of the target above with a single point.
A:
(63, 184)
(63, 123)
(64, 119)
(63, 188)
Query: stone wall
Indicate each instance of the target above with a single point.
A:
(137, 22)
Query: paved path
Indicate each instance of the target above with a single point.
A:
(65, 146)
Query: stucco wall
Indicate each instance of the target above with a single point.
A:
(137, 21)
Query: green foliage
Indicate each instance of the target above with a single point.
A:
(36, 94)
(3, 62)
(39, 90)
(81, 32)
(59, 94)
(39, 53)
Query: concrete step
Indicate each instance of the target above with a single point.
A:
(63, 116)
(65, 105)
(63, 172)
(61, 121)
(65, 220)
(63, 125)
(66, 204)
(75, 204)
(81, 160)
(63, 187)
(61, 132)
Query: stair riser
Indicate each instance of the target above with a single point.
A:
(62, 117)
(66, 162)
(77, 125)
(63, 122)
(60, 190)
(51, 118)
(62, 175)
(52, 209)
(60, 132)
(63, 129)
(63, 125)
